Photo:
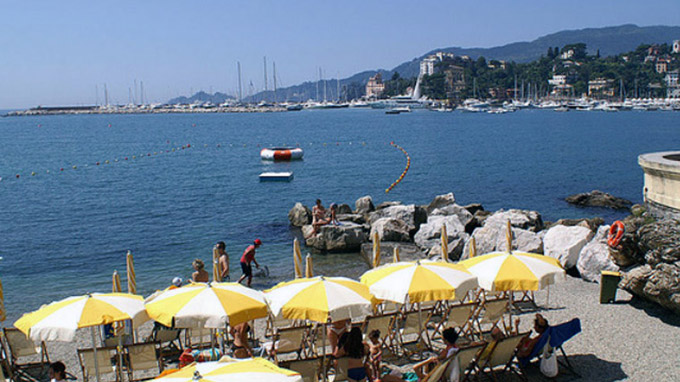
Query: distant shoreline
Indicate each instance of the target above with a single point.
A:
(80, 110)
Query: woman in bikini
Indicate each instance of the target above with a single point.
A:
(335, 330)
(356, 352)
(318, 218)
(240, 347)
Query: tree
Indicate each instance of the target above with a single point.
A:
(550, 52)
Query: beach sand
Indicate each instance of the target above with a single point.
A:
(628, 340)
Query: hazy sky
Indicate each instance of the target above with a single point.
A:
(56, 52)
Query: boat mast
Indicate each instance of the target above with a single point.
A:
(240, 89)
(274, 64)
(338, 87)
(515, 87)
(324, 88)
(141, 91)
(96, 95)
(264, 95)
(317, 86)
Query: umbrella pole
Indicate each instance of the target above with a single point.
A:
(323, 349)
(119, 350)
(94, 348)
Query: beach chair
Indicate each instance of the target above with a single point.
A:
(24, 360)
(467, 360)
(415, 322)
(169, 340)
(555, 336)
(438, 372)
(276, 322)
(288, 341)
(309, 368)
(143, 357)
(104, 365)
(492, 313)
(386, 324)
(503, 354)
(198, 338)
(459, 316)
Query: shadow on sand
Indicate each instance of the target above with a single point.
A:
(588, 366)
(655, 310)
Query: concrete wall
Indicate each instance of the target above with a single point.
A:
(662, 180)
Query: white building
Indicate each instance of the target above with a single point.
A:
(558, 80)
(428, 63)
(676, 46)
(672, 85)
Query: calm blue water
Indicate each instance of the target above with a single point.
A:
(64, 233)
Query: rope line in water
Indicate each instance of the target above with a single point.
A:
(403, 174)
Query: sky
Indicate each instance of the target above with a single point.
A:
(63, 52)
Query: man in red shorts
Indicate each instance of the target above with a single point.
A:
(248, 257)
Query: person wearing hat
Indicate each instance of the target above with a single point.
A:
(247, 258)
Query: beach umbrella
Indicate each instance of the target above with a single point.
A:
(419, 281)
(297, 258)
(309, 270)
(207, 305)
(3, 312)
(246, 370)
(445, 244)
(395, 254)
(116, 288)
(217, 269)
(131, 277)
(473, 247)
(376, 250)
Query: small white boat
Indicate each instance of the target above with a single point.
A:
(276, 177)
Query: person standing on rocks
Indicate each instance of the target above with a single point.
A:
(318, 218)
(223, 260)
(247, 258)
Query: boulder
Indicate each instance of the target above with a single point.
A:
(635, 279)
(594, 257)
(660, 284)
(428, 237)
(344, 209)
(524, 219)
(565, 243)
(364, 205)
(412, 215)
(300, 215)
(407, 252)
(478, 220)
(354, 218)
(628, 252)
(491, 238)
(390, 229)
(463, 214)
(386, 204)
(440, 201)
(593, 223)
(473, 208)
(347, 237)
(660, 242)
(597, 198)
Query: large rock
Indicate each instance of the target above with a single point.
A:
(597, 198)
(354, 218)
(428, 236)
(300, 215)
(364, 205)
(524, 219)
(592, 223)
(407, 252)
(344, 209)
(660, 242)
(412, 215)
(594, 257)
(440, 201)
(565, 243)
(463, 214)
(473, 208)
(347, 237)
(492, 238)
(635, 279)
(660, 284)
(387, 204)
(390, 229)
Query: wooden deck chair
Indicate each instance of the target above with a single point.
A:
(274, 323)
(438, 372)
(169, 340)
(287, 341)
(459, 316)
(492, 313)
(143, 357)
(87, 364)
(415, 322)
(525, 303)
(503, 354)
(309, 368)
(467, 360)
(385, 323)
(198, 338)
(26, 361)
(389, 307)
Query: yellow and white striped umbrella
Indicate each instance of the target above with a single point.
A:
(207, 305)
(419, 281)
(320, 298)
(516, 271)
(246, 370)
(59, 320)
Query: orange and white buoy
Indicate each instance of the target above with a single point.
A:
(281, 153)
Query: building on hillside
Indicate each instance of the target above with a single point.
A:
(676, 46)
(375, 86)
(455, 81)
(559, 84)
(672, 84)
(662, 65)
(601, 87)
(427, 65)
(567, 54)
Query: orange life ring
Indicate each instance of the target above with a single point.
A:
(615, 233)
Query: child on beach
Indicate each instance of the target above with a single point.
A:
(374, 353)
(57, 372)
(200, 275)
(247, 258)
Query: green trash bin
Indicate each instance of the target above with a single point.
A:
(609, 282)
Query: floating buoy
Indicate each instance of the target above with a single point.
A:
(48, 171)
(403, 174)
(188, 145)
(126, 158)
(18, 176)
(106, 161)
(61, 169)
(32, 173)
(97, 163)
(75, 167)
(134, 157)
(281, 153)
(109, 125)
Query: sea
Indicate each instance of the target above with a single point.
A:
(79, 191)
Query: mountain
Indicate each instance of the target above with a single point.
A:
(608, 40)
(201, 97)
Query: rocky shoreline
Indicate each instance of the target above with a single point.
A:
(648, 255)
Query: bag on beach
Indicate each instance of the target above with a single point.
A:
(549, 366)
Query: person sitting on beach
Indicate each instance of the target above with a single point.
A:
(200, 275)
(450, 337)
(240, 346)
(526, 345)
(318, 218)
(375, 352)
(334, 211)
(223, 260)
(247, 258)
(57, 372)
(335, 331)
(352, 346)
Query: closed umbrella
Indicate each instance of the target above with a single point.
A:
(309, 269)
(395, 254)
(217, 269)
(297, 258)
(131, 277)
(445, 244)
(116, 288)
(246, 370)
(376, 250)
